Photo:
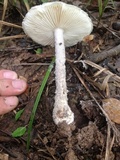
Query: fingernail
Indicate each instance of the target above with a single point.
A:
(10, 74)
(19, 84)
(11, 101)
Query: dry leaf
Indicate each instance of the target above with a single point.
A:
(4, 156)
(88, 38)
(23, 78)
(112, 108)
(96, 48)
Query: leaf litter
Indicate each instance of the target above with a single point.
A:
(94, 90)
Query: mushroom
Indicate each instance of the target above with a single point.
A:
(58, 24)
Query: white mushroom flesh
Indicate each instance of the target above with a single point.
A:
(41, 21)
(61, 111)
(58, 24)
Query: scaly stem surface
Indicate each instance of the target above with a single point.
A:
(61, 111)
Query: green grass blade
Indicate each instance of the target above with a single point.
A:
(44, 1)
(26, 4)
(45, 79)
(105, 4)
(100, 6)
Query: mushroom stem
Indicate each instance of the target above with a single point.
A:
(61, 111)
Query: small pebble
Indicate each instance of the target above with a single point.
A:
(116, 26)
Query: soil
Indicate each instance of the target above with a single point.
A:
(94, 135)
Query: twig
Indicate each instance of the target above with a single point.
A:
(31, 64)
(103, 25)
(112, 125)
(102, 55)
(9, 152)
(109, 143)
(46, 147)
(12, 37)
(107, 152)
(9, 24)
(114, 76)
(4, 11)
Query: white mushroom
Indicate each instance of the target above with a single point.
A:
(58, 24)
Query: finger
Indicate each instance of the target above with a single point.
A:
(8, 74)
(10, 87)
(7, 104)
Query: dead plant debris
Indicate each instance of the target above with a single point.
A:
(93, 81)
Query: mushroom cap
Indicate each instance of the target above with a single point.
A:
(42, 20)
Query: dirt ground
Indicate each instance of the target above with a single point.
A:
(95, 135)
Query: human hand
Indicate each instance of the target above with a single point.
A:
(10, 87)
